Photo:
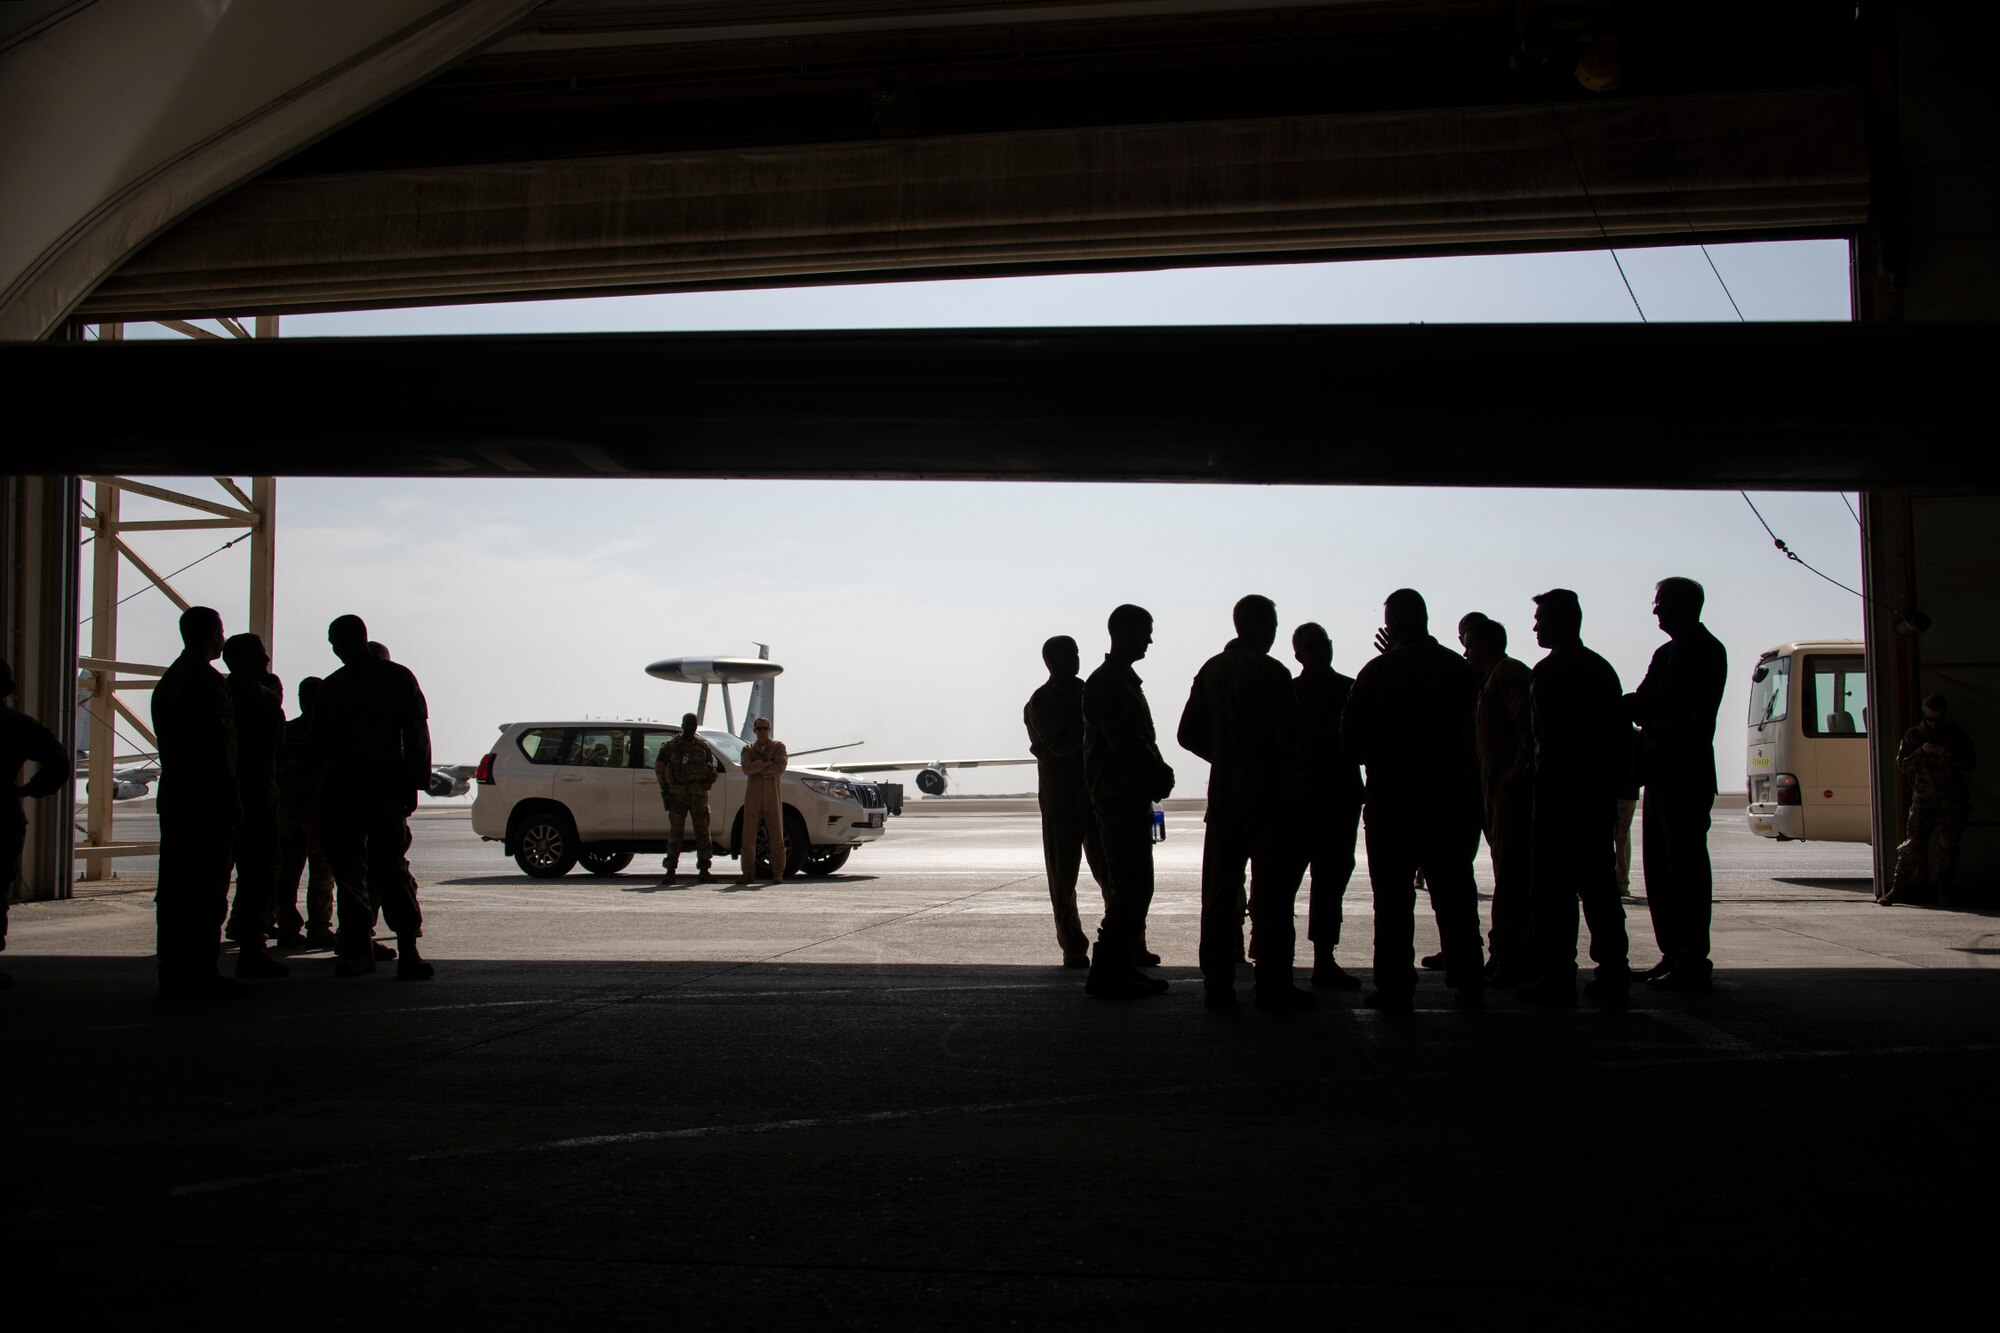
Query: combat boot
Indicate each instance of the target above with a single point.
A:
(706, 876)
(1329, 975)
(411, 967)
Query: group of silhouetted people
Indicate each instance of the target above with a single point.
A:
(1453, 744)
(243, 789)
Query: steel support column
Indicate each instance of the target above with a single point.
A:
(38, 600)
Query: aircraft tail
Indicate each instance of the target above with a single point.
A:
(763, 699)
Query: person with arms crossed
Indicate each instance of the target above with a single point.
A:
(764, 762)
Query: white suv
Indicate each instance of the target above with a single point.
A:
(558, 793)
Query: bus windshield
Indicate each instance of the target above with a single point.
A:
(1768, 690)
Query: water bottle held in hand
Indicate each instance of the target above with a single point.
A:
(1159, 822)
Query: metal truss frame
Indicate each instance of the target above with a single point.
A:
(103, 679)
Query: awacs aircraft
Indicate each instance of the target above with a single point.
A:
(450, 780)
(761, 672)
(126, 783)
(131, 783)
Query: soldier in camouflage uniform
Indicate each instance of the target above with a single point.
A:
(1936, 754)
(686, 770)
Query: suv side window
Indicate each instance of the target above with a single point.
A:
(649, 746)
(601, 747)
(543, 744)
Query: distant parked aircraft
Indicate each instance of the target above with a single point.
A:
(761, 672)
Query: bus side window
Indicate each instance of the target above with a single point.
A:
(1839, 688)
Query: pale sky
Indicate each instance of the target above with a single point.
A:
(910, 614)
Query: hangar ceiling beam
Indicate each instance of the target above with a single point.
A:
(1760, 406)
(1642, 170)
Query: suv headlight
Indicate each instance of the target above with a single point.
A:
(839, 791)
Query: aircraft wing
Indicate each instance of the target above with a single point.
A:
(886, 766)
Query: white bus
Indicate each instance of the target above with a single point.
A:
(1808, 752)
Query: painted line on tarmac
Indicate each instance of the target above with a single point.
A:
(849, 990)
(1706, 1035)
(345, 1015)
(230, 1183)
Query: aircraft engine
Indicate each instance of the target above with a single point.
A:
(446, 784)
(931, 781)
(128, 791)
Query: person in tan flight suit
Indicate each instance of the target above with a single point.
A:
(763, 764)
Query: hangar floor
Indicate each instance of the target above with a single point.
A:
(872, 1101)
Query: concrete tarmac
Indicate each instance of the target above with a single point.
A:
(875, 1100)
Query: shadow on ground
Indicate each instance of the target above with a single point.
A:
(523, 1145)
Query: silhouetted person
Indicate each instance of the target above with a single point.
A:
(1241, 717)
(1936, 754)
(300, 852)
(260, 724)
(685, 770)
(1322, 815)
(1503, 731)
(764, 762)
(200, 806)
(1675, 707)
(383, 952)
(1054, 718)
(1408, 721)
(22, 741)
(1577, 721)
(1125, 774)
(371, 726)
(1628, 805)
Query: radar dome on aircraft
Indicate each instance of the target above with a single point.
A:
(713, 670)
(726, 671)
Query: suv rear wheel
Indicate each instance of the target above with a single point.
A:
(545, 846)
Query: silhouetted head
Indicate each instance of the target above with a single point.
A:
(348, 637)
(6, 680)
(1061, 656)
(379, 651)
(1312, 648)
(1677, 605)
(1934, 710)
(308, 693)
(1256, 620)
(1466, 622)
(1485, 641)
(1558, 618)
(244, 654)
(201, 632)
(1405, 616)
(688, 723)
(1131, 630)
